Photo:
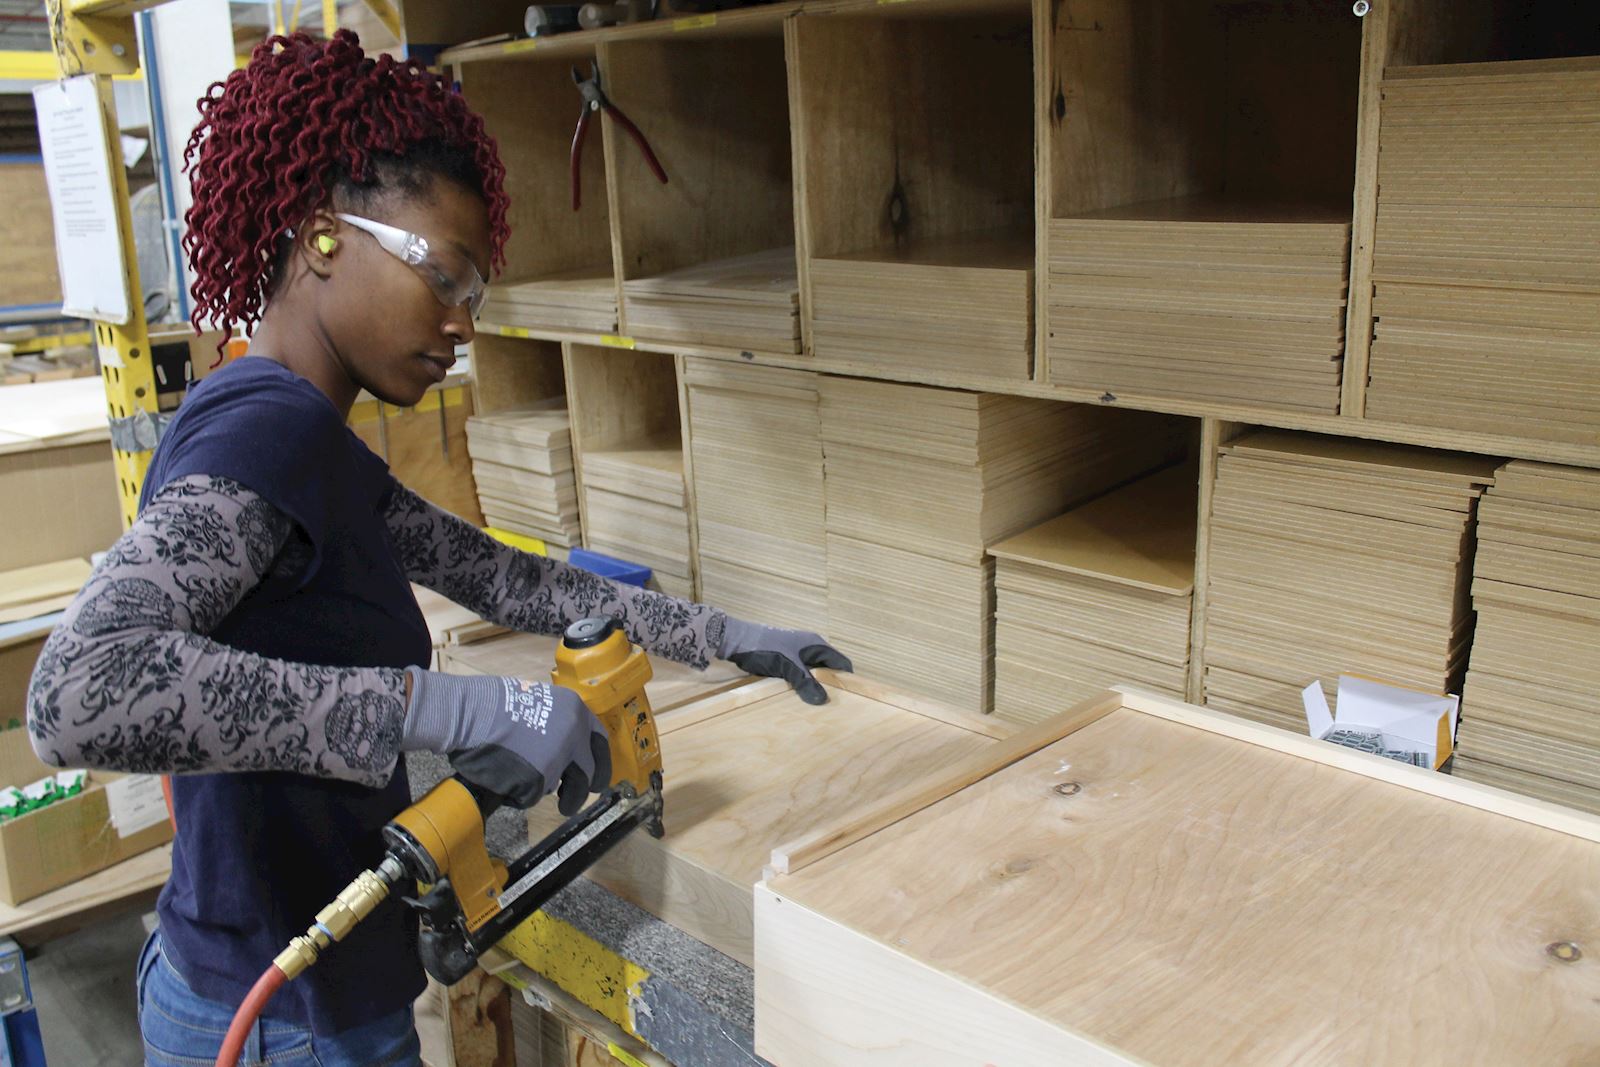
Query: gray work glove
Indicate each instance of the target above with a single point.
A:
(775, 653)
(515, 739)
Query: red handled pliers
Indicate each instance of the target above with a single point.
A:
(596, 100)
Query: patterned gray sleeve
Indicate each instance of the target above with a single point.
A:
(534, 594)
(129, 681)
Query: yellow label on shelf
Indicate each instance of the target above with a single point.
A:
(527, 44)
(513, 331)
(694, 22)
(611, 340)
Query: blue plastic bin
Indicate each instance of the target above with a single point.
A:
(619, 570)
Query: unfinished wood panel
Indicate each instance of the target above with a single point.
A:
(620, 398)
(558, 272)
(919, 482)
(729, 194)
(1081, 925)
(1199, 221)
(916, 185)
(522, 464)
(1214, 433)
(1530, 710)
(768, 769)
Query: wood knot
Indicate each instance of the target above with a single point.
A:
(1011, 869)
(1067, 789)
(1565, 951)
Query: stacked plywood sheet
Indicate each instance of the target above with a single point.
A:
(581, 301)
(522, 465)
(1486, 281)
(749, 302)
(635, 509)
(1531, 706)
(919, 482)
(756, 446)
(1198, 300)
(957, 306)
(1331, 556)
(1097, 597)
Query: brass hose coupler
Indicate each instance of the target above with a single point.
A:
(333, 922)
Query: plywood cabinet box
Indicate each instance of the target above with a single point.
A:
(1141, 881)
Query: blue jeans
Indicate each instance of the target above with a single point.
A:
(183, 1029)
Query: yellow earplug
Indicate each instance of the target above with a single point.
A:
(325, 244)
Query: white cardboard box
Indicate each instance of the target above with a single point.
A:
(1409, 720)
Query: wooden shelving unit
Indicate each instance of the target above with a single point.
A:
(1159, 205)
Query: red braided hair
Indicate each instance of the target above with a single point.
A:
(303, 120)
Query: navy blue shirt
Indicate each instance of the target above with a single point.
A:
(259, 854)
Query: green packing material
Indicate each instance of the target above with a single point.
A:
(16, 802)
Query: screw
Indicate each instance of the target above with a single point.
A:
(1361, 8)
(119, 50)
(1068, 789)
(1565, 951)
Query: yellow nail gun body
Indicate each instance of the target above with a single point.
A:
(475, 901)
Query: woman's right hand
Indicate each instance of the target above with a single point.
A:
(517, 739)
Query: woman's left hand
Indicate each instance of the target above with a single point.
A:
(776, 653)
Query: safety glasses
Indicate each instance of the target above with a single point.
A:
(451, 275)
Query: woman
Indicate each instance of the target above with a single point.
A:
(257, 618)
